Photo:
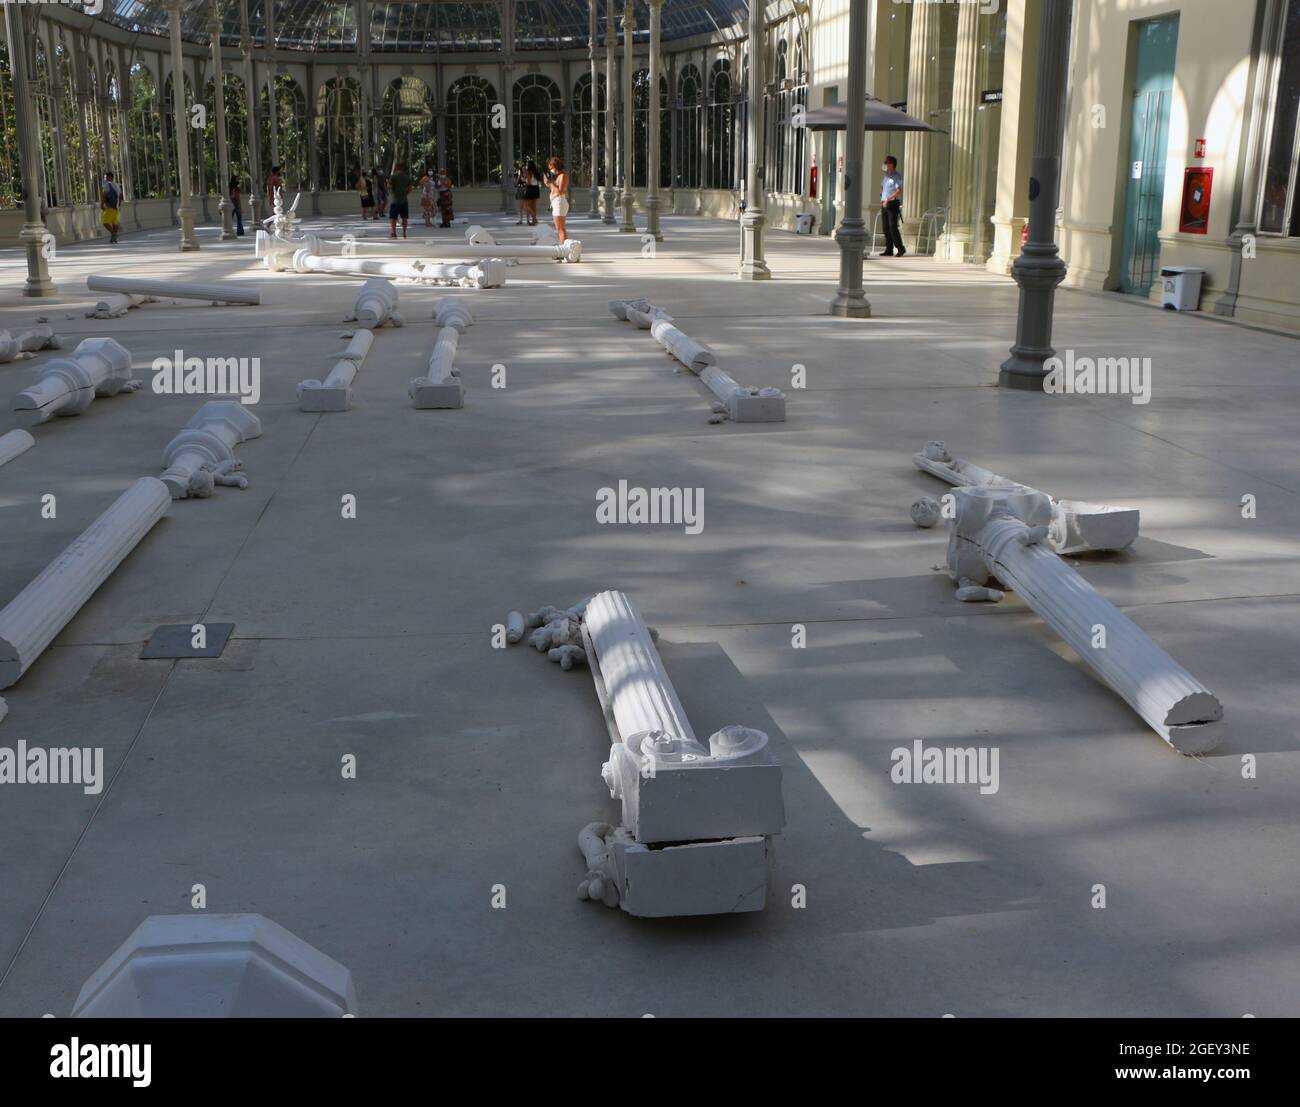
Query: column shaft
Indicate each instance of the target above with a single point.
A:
(851, 235)
(922, 93)
(32, 237)
(180, 119)
(753, 264)
(652, 128)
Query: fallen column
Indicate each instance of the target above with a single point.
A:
(741, 404)
(541, 236)
(116, 304)
(28, 343)
(36, 615)
(69, 385)
(441, 387)
(1077, 525)
(694, 355)
(997, 534)
(569, 250)
(376, 305)
(697, 819)
(489, 273)
(203, 454)
(14, 443)
(216, 966)
(453, 312)
(334, 393)
(227, 293)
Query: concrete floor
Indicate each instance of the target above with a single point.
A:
(478, 766)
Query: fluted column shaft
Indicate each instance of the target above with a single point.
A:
(922, 96)
(961, 232)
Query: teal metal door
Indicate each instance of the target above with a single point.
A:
(1157, 47)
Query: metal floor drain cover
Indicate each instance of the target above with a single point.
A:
(177, 640)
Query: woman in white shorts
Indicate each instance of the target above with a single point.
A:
(557, 181)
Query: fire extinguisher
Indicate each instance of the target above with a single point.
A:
(812, 185)
(1024, 234)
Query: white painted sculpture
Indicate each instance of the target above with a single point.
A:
(694, 355)
(225, 293)
(281, 223)
(28, 343)
(69, 385)
(569, 251)
(35, 616)
(479, 236)
(925, 511)
(14, 443)
(488, 273)
(216, 966)
(1000, 534)
(203, 454)
(453, 311)
(441, 386)
(112, 305)
(540, 236)
(334, 393)
(745, 405)
(697, 818)
(376, 305)
(1077, 525)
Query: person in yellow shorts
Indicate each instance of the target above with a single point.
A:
(110, 203)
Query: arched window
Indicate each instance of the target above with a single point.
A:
(236, 134)
(11, 176)
(338, 133)
(539, 118)
(786, 144)
(406, 128)
(690, 116)
(145, 128)
(42, 89)
(291, 133)
(473, 144)
(581, 170)
(69, 137)
(169, 136)
(113, 140)
(719, 171)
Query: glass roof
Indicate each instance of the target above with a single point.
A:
(432, 26)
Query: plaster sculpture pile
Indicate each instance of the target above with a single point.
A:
(227, 293)
(697, 819)
(334, 393)
(69, 385)
(202, 455)
(32, 618)
(1077, 526)
(999, 535)
(441, 386)
(216, 966)
(556, 632)
(376, 305)
(116, 304)
(28, 343)
(734, 401)
(488, 273)
(14, 443)
(540, 236)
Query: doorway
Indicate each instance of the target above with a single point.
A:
(1153, 82)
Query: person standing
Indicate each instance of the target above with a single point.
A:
(110, 200)
(274, 182)
(557, 180)
(367, 197)
(428, 195)
(445, 200)
(236, 205)
(381, 192)
(532, 190)
(891, 207)
(399, 187)
(521, 186)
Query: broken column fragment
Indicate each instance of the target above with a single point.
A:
(440, 387)
(69, 385)
(202, 455)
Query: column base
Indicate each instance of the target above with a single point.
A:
(652, 218)
(754, 271)
(851, 307)
(608, 215)
(625, 204)
(1022, 372)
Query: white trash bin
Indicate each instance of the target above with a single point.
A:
(1182, 287)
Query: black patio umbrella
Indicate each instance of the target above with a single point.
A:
(880, 117)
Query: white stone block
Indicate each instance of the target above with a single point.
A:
(697, 878)
(216, 966)
(35, 616)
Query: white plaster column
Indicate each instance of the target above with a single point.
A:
(1015, 132)
(181, 121)
(610, 43)
(626, 202)
(652, 128)
(32, 235)
(36, 615)
(851, 235)
(753, 264)
(219, 102)
(960, 232)
(592, 48)
(68, 385)
(922, 96)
